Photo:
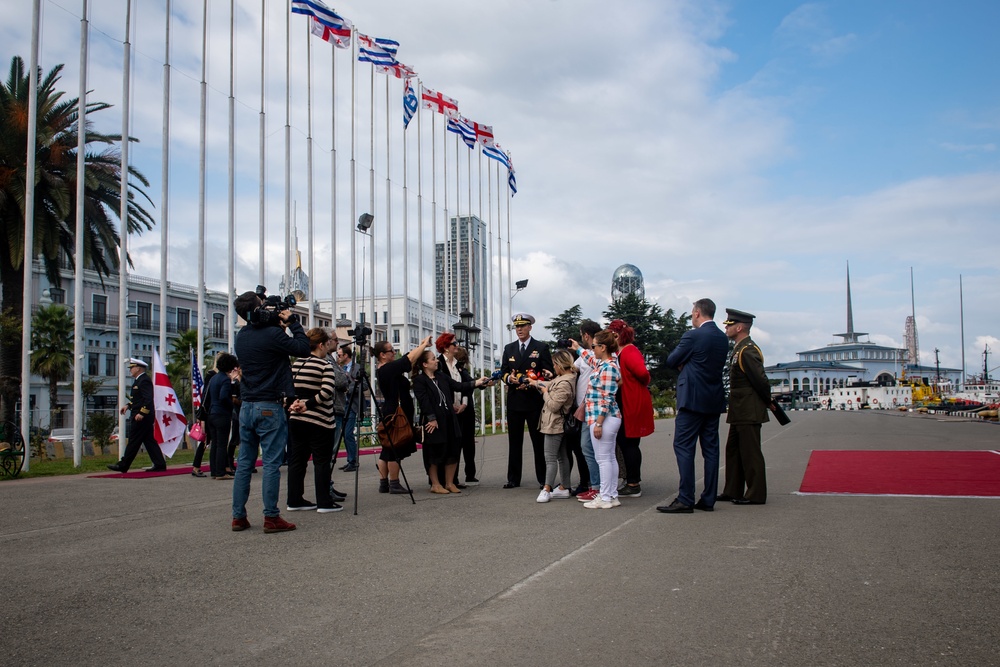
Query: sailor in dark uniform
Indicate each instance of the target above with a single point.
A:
(749, 396)
(524, 403)
(143, 416)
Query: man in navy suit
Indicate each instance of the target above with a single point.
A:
(700, 357)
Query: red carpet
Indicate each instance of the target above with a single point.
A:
(974, 474)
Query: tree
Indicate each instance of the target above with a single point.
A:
(567, 324)
(656, 334)
(55, 179)
(52, 347)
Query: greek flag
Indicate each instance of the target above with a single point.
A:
(410, 103)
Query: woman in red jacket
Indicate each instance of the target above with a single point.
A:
(636, 405)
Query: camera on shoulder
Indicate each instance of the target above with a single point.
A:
(269, 312)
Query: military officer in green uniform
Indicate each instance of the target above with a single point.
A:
(749, 396)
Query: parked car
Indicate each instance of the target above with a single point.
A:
(65, 436)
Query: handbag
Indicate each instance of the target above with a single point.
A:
(197, 432)
(571, 424)
(396, 433)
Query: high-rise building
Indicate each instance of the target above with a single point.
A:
(465, 270)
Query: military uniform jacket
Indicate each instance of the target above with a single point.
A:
(536, 357)
(749, 390)
(142, 396)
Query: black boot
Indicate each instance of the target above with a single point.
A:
(396, 487)
(383, 486)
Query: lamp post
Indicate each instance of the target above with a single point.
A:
(365, 221)
(466, 332)
(518, 286)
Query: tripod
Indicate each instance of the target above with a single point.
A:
(357, 392)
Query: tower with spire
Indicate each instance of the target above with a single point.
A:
(850, 336)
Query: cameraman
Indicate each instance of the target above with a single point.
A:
(263, 348)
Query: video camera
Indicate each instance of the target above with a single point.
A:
(360, 334)
(268, 313)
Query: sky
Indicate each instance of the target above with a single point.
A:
(744, 151)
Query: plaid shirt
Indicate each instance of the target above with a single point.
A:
(600, 399)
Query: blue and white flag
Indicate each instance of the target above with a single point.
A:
(511, 181)
(376, 50)
(319, 11)
(410, 103)
(461, 126)
(497, 154)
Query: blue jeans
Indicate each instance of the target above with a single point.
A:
(588, 453)
(350, 436)
(262, 425)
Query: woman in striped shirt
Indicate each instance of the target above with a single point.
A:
(311, 424)
(602, 414)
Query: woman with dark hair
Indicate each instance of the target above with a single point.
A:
(636, 405)
(602, 414)
(466, 411)
(434, 389)
(312, 424)
(390, 373)
(219, 395)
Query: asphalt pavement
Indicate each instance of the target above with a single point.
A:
(147, 572)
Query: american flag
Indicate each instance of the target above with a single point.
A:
(197, 383)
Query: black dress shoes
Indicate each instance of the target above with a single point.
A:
(723, 498)
(154, 469)
(511, 485)
(115, 467)
(700, 505)
(744, 501)
(676, 507)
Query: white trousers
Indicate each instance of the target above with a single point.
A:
(604, 452)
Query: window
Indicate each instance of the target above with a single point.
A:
(218, 325)
(57, 294)
(385, 318)
(144, 310)
(183, 320)
(395, 335)
(343, 316)
(93, 363)
(100, 309)
(111, 365)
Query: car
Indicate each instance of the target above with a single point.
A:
(65, 437)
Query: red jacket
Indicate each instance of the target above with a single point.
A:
(636, 401)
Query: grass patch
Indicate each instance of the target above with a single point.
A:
(92, 464)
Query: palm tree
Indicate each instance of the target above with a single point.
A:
(55, 198)
(52, 347)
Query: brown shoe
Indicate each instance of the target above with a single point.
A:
(275, 524)
(240, 524)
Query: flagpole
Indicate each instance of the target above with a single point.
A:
(333, 191)
(164, 215)
(262, 153)
(420, 219)
(504, 301)
(473, 305)
(354, 179)
(80, 233)
(288, 150)
(405, 340)
(434, 230)
(202, 131)
(447, 224)
(458, 232)
(371, 190)
(388, 221)
(309, 177)
(123, 211)
(231, 251)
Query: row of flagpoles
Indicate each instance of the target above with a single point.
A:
(381, 54)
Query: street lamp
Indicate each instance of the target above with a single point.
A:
(518, 286)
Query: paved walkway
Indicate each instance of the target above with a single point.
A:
(146, 572)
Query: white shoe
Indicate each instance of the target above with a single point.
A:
(598, 504)
(560, 493)
(543, 496)
(615, 502)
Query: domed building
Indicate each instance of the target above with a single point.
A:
(627, 280)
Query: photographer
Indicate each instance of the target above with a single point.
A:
(263, 347)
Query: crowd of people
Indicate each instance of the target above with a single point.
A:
(586, 403)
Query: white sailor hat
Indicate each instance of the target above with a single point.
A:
(137, 362)
(522, 318)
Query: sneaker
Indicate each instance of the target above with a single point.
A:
(240, 524)
(598, 504)
(350, 467)
(615, 502)
(275, 524)
(304, 506)
(630, 491)
(587, 496)
(543, 496)
(560, 493)
(334, 508)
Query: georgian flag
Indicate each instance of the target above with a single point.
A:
(410, 103)
(484, 133)
(170, 425)
(399, 70)
(435, 101)
(339, 36)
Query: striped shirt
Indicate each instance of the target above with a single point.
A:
(314, 380)
(600, 399)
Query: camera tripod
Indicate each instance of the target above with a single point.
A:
(357, 392)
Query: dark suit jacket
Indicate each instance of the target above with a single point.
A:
(434, 399)
(702, 353)
(142, 397)
(536, 357)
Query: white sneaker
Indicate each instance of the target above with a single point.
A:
(615, 502)
(598, 504)
(560, 493)
(543, 496)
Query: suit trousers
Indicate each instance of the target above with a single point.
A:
(516, 420)
(467, 422)
(141, 435)
(689, 428)
(218, 429)
(745, 464)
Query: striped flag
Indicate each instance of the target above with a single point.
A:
(197, 383)
(410, 103)
(319, 11)
(376, 50)
(170, 425)
(500, 156)
(461, 126)
(339, 37)
(435, 101)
